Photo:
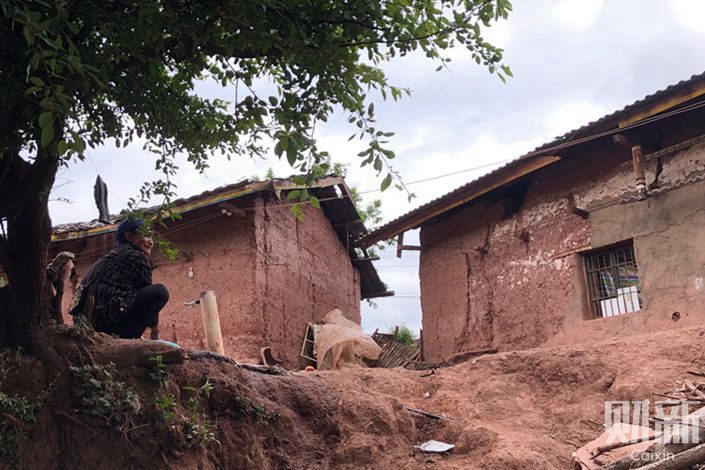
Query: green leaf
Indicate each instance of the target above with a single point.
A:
(386, 182)
(291, 155)
(273, 100)
(37, 81)
(46, 119)
(47, 135)
(378, 164)
(80, 145)
(293, 194)
(314, 202)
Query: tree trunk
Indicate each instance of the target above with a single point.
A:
(28, 238)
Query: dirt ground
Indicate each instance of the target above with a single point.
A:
(528, 409)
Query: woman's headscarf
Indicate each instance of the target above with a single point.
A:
(127, 225)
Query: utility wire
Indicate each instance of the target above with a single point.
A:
(110, 193)
(537, 152)
(432, 178)
(564, 145)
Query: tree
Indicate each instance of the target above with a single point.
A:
(78, 73)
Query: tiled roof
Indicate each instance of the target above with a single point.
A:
(339, 209)
(115, 218)
(419, 215)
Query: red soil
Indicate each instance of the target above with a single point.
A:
(527, 409)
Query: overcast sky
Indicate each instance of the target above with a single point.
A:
(573, 61)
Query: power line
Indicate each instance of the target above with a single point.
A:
(565, 145)
(445, 175)
(110, 193)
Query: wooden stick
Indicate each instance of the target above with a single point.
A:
(672, 397)
(672, 402)
(694, 389)
(697, 372)
(679, 461)
(616, 445)
(271, 370)
(427, 414)
(677, 422)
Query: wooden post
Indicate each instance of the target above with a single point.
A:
(639, 172)
(211, 322)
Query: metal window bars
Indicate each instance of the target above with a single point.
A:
(613, 281)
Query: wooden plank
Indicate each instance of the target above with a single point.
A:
(320, 183)
(681, 460)
(662, 105)
(482, 186)
(674, 148)
(368, 258)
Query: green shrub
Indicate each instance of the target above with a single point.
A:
(405, 336)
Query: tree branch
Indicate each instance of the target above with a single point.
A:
(4, 254)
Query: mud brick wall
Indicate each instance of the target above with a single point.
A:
(303, 272)
(271, 273)
(485, 284)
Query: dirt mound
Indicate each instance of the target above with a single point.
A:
(528, 409)
(200, 414)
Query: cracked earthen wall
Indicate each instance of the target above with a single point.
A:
(271, 273)
(482, 285)
(303, 272)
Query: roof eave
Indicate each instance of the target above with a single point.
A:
(629, 116)
(483, 185)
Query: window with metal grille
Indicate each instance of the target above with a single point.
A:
(613, 280)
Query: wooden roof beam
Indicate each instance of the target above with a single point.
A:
(664, 104)
(484, 185)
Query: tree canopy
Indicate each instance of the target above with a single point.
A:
(77, 73)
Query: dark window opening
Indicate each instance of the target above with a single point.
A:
(613, 281)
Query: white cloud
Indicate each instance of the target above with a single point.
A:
(571, 115)
(465, 118)
(689, 13)
(576, 14)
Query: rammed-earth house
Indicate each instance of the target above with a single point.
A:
(598, 233)
(271, 272)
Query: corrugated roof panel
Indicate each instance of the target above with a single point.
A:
(410, 217)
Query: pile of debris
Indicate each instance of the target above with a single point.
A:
(667, 439)
(336, 342)
(394, 353)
